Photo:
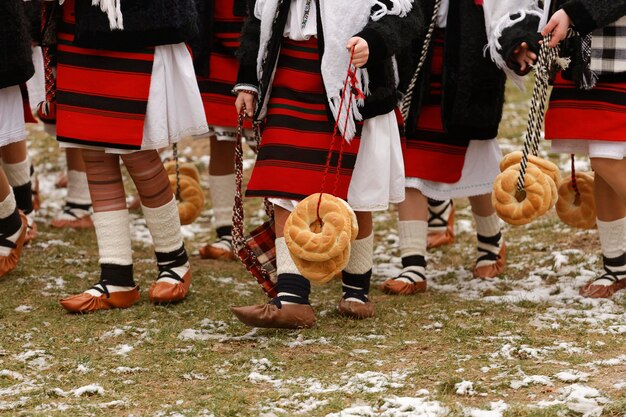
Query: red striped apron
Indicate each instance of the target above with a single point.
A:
(102, 96)
(298, 133)
(596, 114)
(430, 153)
(218, 100)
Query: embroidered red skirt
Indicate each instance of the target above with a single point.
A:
(428, 153)
(102, 96)
(596, 114)
(218, 100)
(298, 133)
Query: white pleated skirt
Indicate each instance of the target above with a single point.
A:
(480, 169)
(12, 123)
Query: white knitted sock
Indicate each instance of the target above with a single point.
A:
(487, 226)
(17, 174)
(412, 235)
(77, 188)
(164, 225)
(360, 268)
(113, 234)
(223, 198)
(613, 243)
(361, 256)
(284, 264)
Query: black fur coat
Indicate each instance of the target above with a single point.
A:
(16, 63)
(473, 87)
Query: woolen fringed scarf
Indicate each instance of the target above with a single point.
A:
(340, 21)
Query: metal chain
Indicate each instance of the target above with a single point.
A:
(405, 104)
(546, 62)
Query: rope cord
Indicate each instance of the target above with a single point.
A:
(405, 104)
(547, 62)
(574, 184)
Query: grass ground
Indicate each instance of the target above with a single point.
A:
(522, 345)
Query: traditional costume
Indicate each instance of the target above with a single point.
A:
(451, 150)
(294, 54)
(587, 108)
(16, 67)
(216, 66)
(125, 88)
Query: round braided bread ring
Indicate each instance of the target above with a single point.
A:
(310, 241)
(535, 201)
(186, 168)
(191, 199)
(544, 165)
(323, 272)
(573, 210)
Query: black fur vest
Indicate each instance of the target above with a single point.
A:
(16, 63)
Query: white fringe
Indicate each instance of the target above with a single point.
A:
(399, 8)
(494, 46)
(113, 9)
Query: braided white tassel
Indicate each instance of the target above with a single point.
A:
(113, 9)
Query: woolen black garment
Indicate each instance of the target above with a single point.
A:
(202, 45)
(586, 16)
(16, 62)
(385, 38)
(146, 23)
(473, 86)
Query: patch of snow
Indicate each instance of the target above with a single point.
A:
(532, 379)
(464, 388)
(497, 410)
(572, 376)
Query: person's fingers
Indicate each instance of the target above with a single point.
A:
(351, 43)
(532, 56)
(239, 103)
(549, 27)
(249, 100)
(522, 66)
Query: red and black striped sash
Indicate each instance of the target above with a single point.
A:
(102, 95)
(430, 153)
(596, 114)
(298, 134)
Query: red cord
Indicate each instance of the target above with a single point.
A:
(350, 80)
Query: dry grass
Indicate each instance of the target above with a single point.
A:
(146, 366)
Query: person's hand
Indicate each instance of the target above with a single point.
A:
(558, 25)
(248, 100)
(361, 51)
(524, 57)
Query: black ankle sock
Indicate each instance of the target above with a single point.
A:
(10, 225)
(120, 275)
(433, 202)
(294, 284)
(169, 260)
(24, 197)
(489, 247)
(414, 260)
(356, 285)
(224, 231)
